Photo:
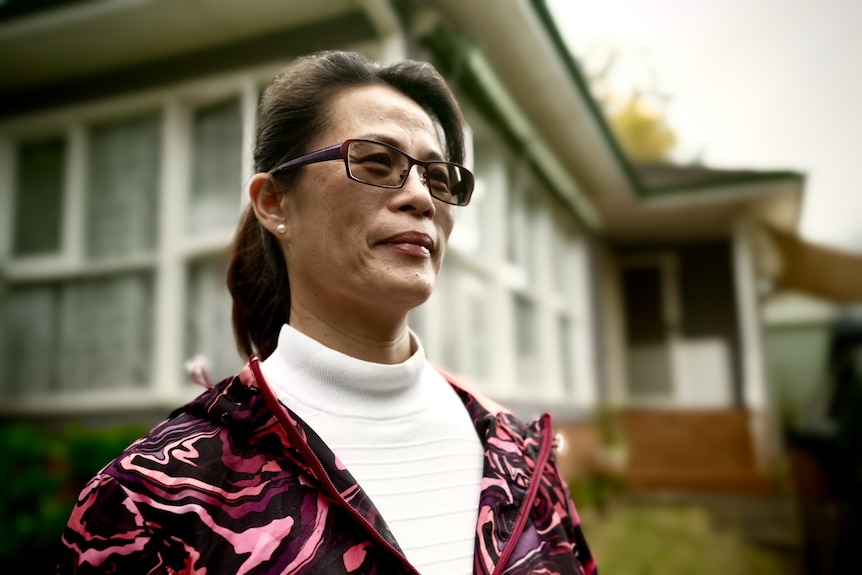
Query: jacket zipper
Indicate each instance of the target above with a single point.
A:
(278, 410)
(535, 480)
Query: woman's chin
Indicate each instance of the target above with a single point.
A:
(410, 292)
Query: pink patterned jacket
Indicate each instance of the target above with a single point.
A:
(234, 483)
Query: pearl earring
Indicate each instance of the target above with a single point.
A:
(281, 228)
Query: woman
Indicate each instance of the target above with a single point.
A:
(337, 449)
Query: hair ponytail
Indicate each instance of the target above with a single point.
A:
(257, 281)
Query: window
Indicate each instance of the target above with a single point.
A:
(104, 290)
(88, 328)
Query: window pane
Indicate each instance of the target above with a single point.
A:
(105, 332)
(526, 340)
(532, 204)
(521, 208)
(83, 334)
(482, 195)
(30, 339)
(564, 265)
(208, 319)
(216, 167)
(469, 232)
(566, 337)
(122, 199)
(39, 197)
(514, 216)
(417, 323)
(464, 336)
(477, 336)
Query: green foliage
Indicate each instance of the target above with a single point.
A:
(642, 132)
(596, 491)
(42, 473)
(610, 425)
(30, 493)
(603, 476)
(88, 451)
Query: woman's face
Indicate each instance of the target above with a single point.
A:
(355, 248)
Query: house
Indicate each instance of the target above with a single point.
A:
(574, 280)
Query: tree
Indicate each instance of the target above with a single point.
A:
(636, 120)
(642, 132)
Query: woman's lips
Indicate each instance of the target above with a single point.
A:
(416, 244)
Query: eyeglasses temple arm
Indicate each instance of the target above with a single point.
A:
(324, 155)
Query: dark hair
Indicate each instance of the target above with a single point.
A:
(293, 110)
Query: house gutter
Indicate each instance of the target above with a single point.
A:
(470, 71)
(533, 145)
(562, 49)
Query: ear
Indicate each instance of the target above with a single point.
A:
(268, 205)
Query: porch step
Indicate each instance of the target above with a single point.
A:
(703, 450)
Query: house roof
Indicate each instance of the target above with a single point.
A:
(660, 179)
(10, 9)
(82, 38)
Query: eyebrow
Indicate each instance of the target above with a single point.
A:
(432, 156)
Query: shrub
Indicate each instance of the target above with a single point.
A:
(42, 474)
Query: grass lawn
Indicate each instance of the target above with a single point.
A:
(672, 540)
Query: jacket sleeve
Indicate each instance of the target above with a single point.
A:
(107, 533)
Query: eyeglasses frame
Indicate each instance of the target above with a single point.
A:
(339, 152)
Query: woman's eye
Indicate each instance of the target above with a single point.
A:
(380, 159)
(438, 176)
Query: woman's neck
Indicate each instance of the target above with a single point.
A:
(371, 339)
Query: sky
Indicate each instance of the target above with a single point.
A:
(756, 84)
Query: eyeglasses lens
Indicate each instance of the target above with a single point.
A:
(381, 165)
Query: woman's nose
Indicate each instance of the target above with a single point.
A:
(415, 195)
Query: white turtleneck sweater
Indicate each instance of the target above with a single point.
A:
(404, 435)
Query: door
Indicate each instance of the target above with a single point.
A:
(651, 319)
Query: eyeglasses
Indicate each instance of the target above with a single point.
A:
(384, 166)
